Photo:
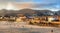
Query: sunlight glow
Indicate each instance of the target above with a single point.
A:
(10, 6)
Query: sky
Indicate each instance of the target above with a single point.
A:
(33, 4)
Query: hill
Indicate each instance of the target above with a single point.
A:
(26, 12)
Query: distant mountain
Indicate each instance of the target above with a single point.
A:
(26, 12)
(44, 12)
(57, 12)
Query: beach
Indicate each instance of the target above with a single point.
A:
(22, 27)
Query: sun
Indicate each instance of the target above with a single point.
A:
(10, 6)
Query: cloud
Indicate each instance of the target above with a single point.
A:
(34, 1)
(41, 4)
(14, 0)
(25, 5)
